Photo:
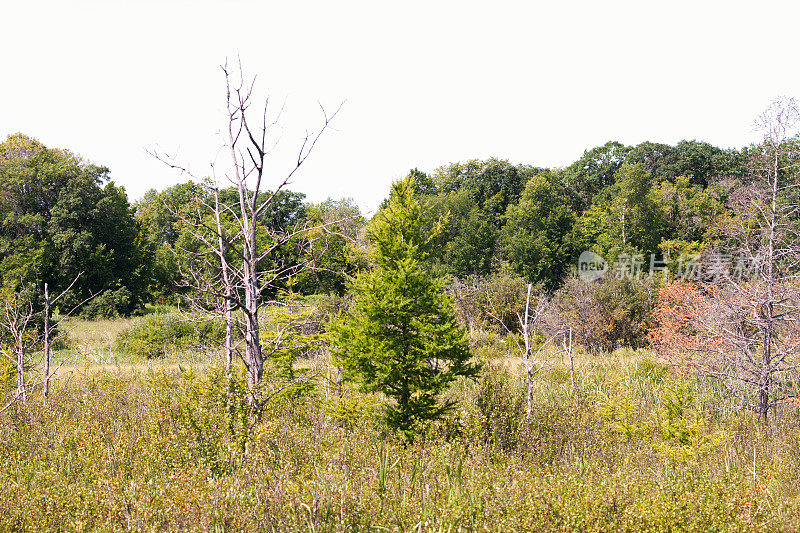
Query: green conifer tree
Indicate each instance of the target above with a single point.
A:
(401, 337)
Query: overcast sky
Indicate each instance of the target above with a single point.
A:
(425, 83)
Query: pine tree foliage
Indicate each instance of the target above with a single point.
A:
(401, 338)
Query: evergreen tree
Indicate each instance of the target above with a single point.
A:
(401, 338)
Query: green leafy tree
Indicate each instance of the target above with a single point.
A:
(93, 230)
(625, 219)
(60, 216)
(688, 211)
(161, 212)
(492, 184)
(472, 250)
(594, 171)
(474, 195)
(701, 161)
(401, 337)
(330, 256)
(162, 215)
(467, 246)
(538, 235)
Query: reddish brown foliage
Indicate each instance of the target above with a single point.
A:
(679, 319)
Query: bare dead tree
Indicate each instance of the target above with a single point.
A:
(20, 322)
(17, 321)
(566, 342)
(532, 356)
(204, 265)
(50, 327)
(48, 310)
(740, 326)
(227, 285)
(242, 284)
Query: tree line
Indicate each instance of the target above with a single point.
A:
(62, 215)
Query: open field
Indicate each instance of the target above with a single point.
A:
(167, 445)
(92, 345)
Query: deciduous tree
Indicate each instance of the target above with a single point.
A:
(538, 238)
(59, 216)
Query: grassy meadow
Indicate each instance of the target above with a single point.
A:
(128, 442)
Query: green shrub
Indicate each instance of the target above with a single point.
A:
(487, 345)
(109, 304)
(215, 413)
(353, 409)
(156, 335)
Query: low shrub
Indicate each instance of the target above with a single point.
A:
(109, 304)
(155, 335)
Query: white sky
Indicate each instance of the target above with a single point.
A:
(426, 83)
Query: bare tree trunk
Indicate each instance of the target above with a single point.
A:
(527, 356)
(226, 282)
(764, 379)
(46, 371)
(240, 284)
(249, 210)
(228, 335)
(18, 317)
(768, 312)
(228, 332)
(253, 355)
(533, 360)
(568, 349)
(21, 393)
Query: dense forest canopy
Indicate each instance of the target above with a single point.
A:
(645, 199)
(62, 216)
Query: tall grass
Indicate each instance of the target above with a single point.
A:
(637, 447)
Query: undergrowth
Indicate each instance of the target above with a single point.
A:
(635, 447)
